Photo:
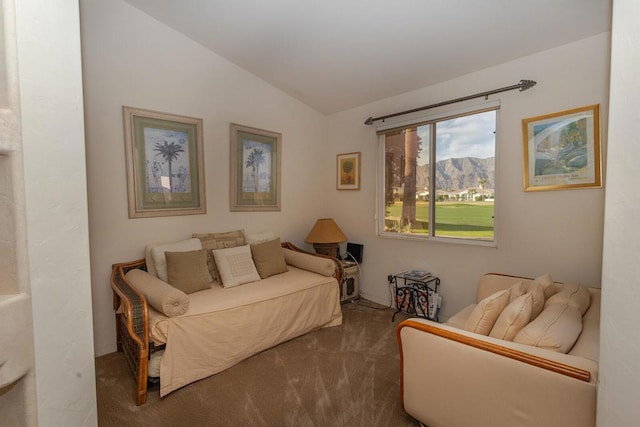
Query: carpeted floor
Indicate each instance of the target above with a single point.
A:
(341, 376)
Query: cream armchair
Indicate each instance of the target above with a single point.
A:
(451, 377)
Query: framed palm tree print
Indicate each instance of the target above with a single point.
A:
(255, 169)
(165, 172)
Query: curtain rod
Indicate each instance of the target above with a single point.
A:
(523, 85)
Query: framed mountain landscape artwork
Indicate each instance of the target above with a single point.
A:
(348, 171)
(255, 169)
(562, 150)
(165, 172)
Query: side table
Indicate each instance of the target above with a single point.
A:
(350, 286)
(416, 294)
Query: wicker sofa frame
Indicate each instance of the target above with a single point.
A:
(132, 320)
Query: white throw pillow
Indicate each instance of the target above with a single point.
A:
(160, 260)
(235, 266)
(260, 237)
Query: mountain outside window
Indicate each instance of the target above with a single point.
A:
(451, 197)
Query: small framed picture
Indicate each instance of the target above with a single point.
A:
(562, 150)
(165, 171)
(348, 171)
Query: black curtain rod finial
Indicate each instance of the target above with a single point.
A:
(527, 84)
(369, 121)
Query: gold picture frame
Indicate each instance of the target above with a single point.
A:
(165, 170)
(348, 171)
(255, 169)
(562, 150)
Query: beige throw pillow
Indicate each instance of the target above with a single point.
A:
(268, 258)
(575, 295)
(513, 318)
(188, 271)
(549, 288)
(235, 266)
(160, 261)
(211, 241)
(557, 328)
(485, 314)
(517, 289)
(537, 292)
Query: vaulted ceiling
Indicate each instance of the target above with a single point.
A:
(337, 54)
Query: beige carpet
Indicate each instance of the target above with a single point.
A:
(342, 376)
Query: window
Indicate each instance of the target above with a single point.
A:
(453, 196)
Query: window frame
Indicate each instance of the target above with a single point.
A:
(432, 120)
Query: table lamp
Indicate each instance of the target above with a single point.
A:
(326, 237)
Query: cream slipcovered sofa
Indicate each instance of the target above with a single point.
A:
(512, 371)
(206, 303)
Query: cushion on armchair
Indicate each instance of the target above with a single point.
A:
(160, 295)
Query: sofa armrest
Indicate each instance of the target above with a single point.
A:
(132, 319)
(451, 377)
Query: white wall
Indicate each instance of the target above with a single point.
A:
(559, 232)
(56, 210)
(618, 394)
(131, 59)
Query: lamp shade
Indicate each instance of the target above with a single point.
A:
(325, 230)
(325, 236)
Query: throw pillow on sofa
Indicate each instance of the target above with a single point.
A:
(574, 295)
(235, 266)
(517, 290)
(211, 241)
(485, 314)
(259, 237)
(513, 318)
(536, 290)
(188, 271)
(548, 286)
(160, 261)
(557, 328)
(268, 258)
